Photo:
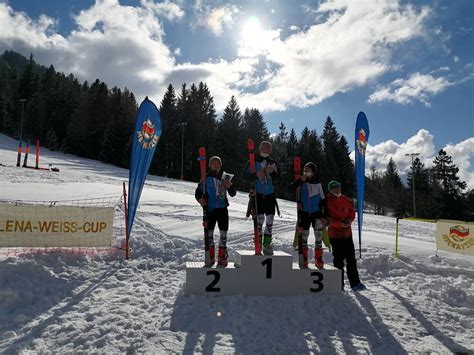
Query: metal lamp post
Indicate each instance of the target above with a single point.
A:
(413, 155)
(182, 124)
(21, 131)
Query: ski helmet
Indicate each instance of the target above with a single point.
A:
(333, 184)
(312, 166)
(215, 157)
(265, 145)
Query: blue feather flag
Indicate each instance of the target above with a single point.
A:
(361, 139)
(145, 138)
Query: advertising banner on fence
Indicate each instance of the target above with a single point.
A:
(455, 236)
(55, 226)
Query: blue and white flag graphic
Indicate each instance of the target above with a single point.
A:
(361, 139)
(145, 138)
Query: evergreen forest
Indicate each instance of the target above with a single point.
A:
(94, 121)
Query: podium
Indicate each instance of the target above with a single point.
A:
(261, 275)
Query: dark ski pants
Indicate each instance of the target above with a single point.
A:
(343, 250)
(307, 220)
(265, 212)
(221, 217)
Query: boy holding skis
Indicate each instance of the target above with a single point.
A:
(312, 212)
(217, 186)
(340, 216)
(266, 170)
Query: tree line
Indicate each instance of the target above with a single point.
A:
(93, 121)
(431, 193)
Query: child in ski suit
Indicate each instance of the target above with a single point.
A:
(312, 212)
(340, 216)
(266, 170)
(216, 188)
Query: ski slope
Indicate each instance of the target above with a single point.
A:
(63, 303)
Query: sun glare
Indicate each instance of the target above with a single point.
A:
(251, 28)
(252, 35)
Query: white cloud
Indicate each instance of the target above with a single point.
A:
(308, 9)
(121, 45)
(222, 77)
(19, 31)
(215, 19)
(463, 154)
(422, 142)
(418, 87)
(294, 28)
(349, 48)
(166, 9)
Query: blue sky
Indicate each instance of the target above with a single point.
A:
(409, 65)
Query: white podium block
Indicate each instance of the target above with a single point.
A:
(261, 275)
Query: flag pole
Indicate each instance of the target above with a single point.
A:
(127, 235)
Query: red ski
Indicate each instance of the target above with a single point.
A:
(209, 256)
(253, 198)
(297, 168)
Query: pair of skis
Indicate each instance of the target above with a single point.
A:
(252, 208)
(203, 168)
(298, 230)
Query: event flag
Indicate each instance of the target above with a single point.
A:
(145, 138)
(361, 138)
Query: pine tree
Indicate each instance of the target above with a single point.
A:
(346, 174)
(228, 137)
(126, 126)
(109, 151)
(28, 90)
(426, 205)
(77, 131)
(330, 138)
(374, 195)
(469, 203)
(310, 149)
(195, 109)
(51, 140)
(6, 99)
(285, 162)
(254, 127)
(168, 139)
(393, 188)
(48, 96)
(445, 173)
(292, 144)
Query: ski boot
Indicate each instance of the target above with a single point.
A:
(359, 287)
(318, 258)
(303, 257)
(267, 244)
(210, 257)
(222, 257)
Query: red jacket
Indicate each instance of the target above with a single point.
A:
(339, 209)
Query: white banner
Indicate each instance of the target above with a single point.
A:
(455, 236)
(55, 226)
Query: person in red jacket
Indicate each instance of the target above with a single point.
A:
(340, 216)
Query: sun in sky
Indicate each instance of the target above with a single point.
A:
(252, 36)
(250, 28)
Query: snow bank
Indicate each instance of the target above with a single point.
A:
(63, 303)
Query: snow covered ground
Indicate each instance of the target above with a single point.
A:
(55, 302)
